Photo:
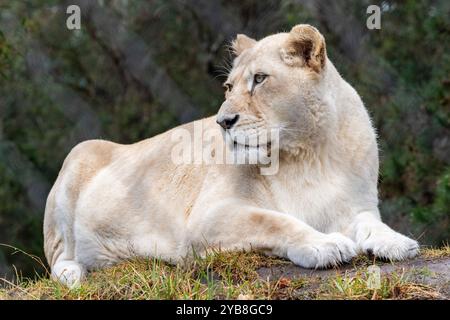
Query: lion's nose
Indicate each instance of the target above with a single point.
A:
(227, 121)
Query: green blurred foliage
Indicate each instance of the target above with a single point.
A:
(401, 71)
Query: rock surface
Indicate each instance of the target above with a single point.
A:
(433, 272)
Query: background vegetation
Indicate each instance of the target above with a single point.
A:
(137, 68)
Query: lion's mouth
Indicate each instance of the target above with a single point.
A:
(247, 146)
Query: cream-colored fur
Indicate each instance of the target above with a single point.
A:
(112, 202)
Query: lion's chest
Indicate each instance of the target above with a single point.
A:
(322, 202)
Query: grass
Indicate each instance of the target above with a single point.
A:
(225, 275)
(434, 253)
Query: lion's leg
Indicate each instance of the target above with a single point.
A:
(247, 227)
(59, 242)
(373, 236)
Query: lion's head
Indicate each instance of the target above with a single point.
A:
(277, 83)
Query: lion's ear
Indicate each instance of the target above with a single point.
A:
(305, 46)
(241, 43)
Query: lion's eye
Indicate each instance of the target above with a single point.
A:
(259, 77)
(228, 86)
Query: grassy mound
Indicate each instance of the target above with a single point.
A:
(225, 275)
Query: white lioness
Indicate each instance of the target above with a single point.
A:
(112, 202)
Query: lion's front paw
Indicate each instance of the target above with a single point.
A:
(389, 245)
(323, 251)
